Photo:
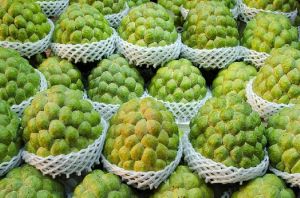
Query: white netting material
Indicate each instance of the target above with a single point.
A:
(115, 19)
(211, 58)
(215, 172)
(149, 56)
(255, 58)
(53, 8)
(264, 108)
(29, 49)
(87, 52)
(144, 180)
(75, 162)
(293, 179)
(19, 108)
(247, 13)
(5, 167)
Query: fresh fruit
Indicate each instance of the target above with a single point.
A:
(18, 80)
(278, 80)
(132, 3)
(115, 81)
(81, 23)
(142, 136)
(210, 25)
(105, 7)
(190, 4)
(228, 131)
(174, 7)
(61, 72)
(148, 25)
(273, 5)
(60, 121)
(178, 81)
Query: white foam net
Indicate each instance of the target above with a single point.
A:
(5, 167)
(29, 49)
(293, 179)
(75, 162)
(115, 19)
(53, 8)
(264, 108)
(144, 180)
(215, 172)
(149, 56)
(255, 58)
(211, 58)
(87, 52)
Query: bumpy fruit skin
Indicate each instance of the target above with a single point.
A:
(267, 31)
(133, 3)
(183, 183)
(233, 79)
(228, 131)
(210, 25)
(27, 181)
(142, 136)
(59, 71)
(101, 184)
(60, 121)
(18, 80)
(105, 7)
(81, 23)
(267, 186)
(190, 4)
(115, 81)
(148, 25)
(273, 5)
(178, 81)
(278, 80)
(174, 7)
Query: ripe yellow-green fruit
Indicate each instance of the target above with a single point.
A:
(174, 7)
(273, 5)
(105, 7)
(190, 4)
(133, 3)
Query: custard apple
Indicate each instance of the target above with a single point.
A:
(106, 7)
(61, 72)
(18, 80)
(26, 181)
(273, 5)
(59, 121)
(190, 4)
(210, 25)
(183, 183)
(81, 23)
(142, 136)
(174, 7)
(101, 184)
(22, 21)
(267, 31)
(267, 186)
(115, 81)
(278, 80)
(233, 79)
(178, 81)
(228, 131)
(132, 3)
(148, 25)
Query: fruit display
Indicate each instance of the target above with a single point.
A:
(273, 5)
(190, 4)
(183, 183)
(142, 136)
(133, 3)
(59, 71)
(59, 121)
(178, 81)
(278, 79)
(18, 80)
(228, 131)
(148, 25)
(101, 184)
(174, 7)
(115, 81)
(105, 7)
(233, 79)
(267, 31)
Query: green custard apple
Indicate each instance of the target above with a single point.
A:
(81, 23)
(115, 81)
(22, 21)
(59, 71)
(190, 4)
(233, 79)
(26, 181)
(101, 184)
(178, 81)
(267, 31)
(18, 80)
(273, 5)
(174, 7)
(142, 136)
(59, 121)
(148, 25)
(284, 140)
(210, 25)
(183, 183)
(278, 80)
(267, 186)
(228, 131)
(106, 7)
(133, 3)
